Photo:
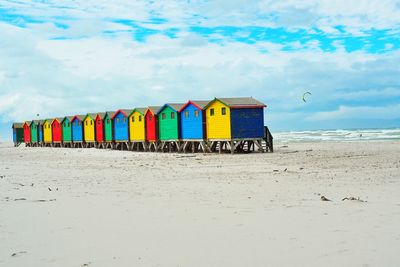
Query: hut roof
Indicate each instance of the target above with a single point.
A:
(38, 122)
(126, 112)
(101, 115)
(140, 110)
(68, 118)
(110, 113)
(58, 119)
(154, 109)
(17, 125)
(91, 115)
(201, 104)
(174, 106)
(238, 102)
(79, 117)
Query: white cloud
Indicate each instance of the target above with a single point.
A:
(356, 113)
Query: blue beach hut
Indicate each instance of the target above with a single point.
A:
(77, 128)
(121, 125)
(193, 120)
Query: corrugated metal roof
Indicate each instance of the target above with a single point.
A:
(80, 117)
(176, 106)
(92, 115)
(154, 109)
(37, 121)
(101, 114)
(127, 111)
(18, 125)
(141, 110)
(110, 114)
(201, 103)
(68, 118)
(241, 101)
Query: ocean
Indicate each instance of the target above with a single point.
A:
(354, 135)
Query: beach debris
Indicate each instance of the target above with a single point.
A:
(49, 188)
(323, 198)
(289, 152)
(19, 184)
(2, 176)
(284, 146)
(275, 170)
(285, 170)
(354, 199)
(32, 184)
(301, 168)
(18, 253)
(18, 199)
(44, 200)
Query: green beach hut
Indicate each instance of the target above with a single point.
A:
(34, 127)
(168, 121)
(107, 124)
(67, 129)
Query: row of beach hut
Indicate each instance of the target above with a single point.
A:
(222, 123)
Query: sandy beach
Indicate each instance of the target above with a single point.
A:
(88, 207)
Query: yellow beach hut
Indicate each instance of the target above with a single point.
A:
(47, 133)
(235, 118)
(137, 132)
(88, 127)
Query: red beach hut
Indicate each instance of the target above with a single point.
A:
(99, 127)
(56, 130)
(27, 133)
(152, 123)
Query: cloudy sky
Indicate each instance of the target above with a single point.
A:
(70, 57)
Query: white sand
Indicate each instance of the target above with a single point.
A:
(116, 208)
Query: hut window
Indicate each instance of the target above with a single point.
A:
(86, 123)
(91, 122)
(196, 113)
(186, 114)
(223, 111)
(133, 118)
(212, 112)
(124, 119)
(108, 120)
(98, 122)
(79, 123)
(117, 120)
(150, 117)
(163, 116)
(69, 124)
(172, 115)
(140, 117)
